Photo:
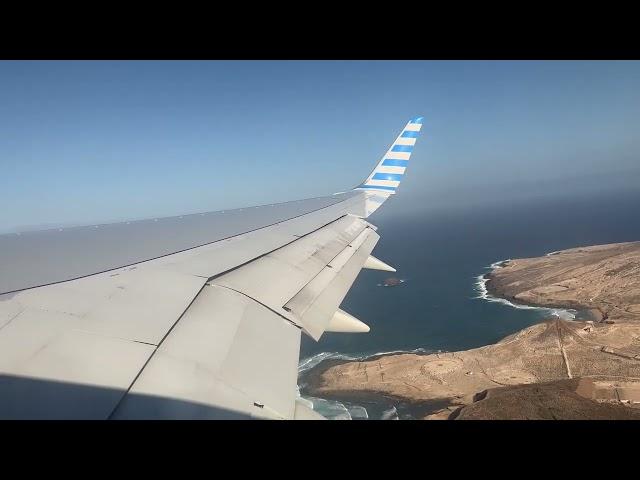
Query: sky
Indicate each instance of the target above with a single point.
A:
(85, 142)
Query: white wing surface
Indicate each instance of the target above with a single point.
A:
(189, 317)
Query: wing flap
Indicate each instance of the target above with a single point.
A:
(228, 357)
(316, 303)
(276, 277)
(290, 280)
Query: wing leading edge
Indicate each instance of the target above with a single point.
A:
(203, 324)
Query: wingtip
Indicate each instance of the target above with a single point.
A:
(385, 178)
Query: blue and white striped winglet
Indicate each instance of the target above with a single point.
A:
(389, 172)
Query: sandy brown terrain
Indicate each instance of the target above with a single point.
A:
(528, 374)
(605, 278)
(559, 400)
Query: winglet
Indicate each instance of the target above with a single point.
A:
(386, 177)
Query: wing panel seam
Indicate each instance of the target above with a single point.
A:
(180, 251)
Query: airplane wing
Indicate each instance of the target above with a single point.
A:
(189, 317)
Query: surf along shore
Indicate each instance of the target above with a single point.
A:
(587, 367)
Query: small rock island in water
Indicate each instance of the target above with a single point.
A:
(392, 282)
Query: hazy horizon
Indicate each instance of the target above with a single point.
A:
(92, 142)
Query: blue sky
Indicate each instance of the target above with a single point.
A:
(86, 142)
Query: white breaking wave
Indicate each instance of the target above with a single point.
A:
(310, 362)
(332, 409)
(305, 400)
(480, 286)
(391, 414)
(357, 411)
(402, 280)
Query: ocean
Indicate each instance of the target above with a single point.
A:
(441, 256)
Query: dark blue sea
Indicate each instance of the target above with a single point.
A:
(441, 254)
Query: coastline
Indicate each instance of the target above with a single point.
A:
(344, 404)
(311, 369)
(486, 292)
(577, 339)
(374, 403)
